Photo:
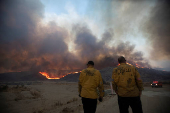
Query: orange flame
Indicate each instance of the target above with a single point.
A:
(48, 77)
(137, 65)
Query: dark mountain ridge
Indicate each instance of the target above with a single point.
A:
(147, 75)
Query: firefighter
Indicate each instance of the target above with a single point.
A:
(128, 86)
(90, 88)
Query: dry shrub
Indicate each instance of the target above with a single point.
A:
(35, 93)
(4, 88)
(19, 97)
(58, 103)
(18, 89)
(75, 99)
(72, 100)
(39, 111)
(67, 110)
(17, 86)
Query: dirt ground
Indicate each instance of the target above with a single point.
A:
(53, 97)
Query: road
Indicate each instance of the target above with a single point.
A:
(154, 100)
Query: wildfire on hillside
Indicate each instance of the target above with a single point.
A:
(48, 77)
(136, 65)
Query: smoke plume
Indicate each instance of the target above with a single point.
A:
(157, 28)
(27, 44)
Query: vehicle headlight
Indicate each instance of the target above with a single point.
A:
(156, 84)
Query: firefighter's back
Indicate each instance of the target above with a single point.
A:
(90, 81)
(126, 81)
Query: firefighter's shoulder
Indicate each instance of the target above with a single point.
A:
(118, 66)
(115, 68)
(83, 70)
(134, 68)
(97, 71)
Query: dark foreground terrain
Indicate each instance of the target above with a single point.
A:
(52, 97)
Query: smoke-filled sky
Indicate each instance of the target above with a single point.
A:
(64, 34)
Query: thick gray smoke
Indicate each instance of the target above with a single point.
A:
(26, 44)
(158, 29)
(18, 24)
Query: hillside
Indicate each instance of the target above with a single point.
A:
(147, 75)
(21, 76)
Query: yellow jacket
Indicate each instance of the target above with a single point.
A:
(126, 81)
(89, 80)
